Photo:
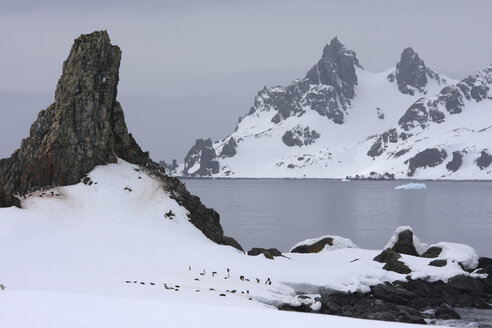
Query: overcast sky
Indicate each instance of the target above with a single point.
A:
(191, 68)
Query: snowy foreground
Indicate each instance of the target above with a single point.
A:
(101, 255)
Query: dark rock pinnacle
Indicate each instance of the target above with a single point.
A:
(85, 127)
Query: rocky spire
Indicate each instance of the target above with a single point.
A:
(336, 68)
(411, 72)
(84, 127)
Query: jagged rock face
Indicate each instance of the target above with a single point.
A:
(86, 127)
(428, 158)
(203, 155)
(337, 69)
(411, 73)
(328, 88)
(229, 148)
(298, 136)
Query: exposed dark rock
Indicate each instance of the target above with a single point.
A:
(373, 176)
(466, 283)
(269, 253)
(379, 146)
(229, 241)
(380, 113)
(446, 312)
(484, 262)
(297, 136)
(439, 263)
(397, 266)
(387, 255)
(229, 148)
(416, 115)
(8, 200)
(169, 167)
(484, 160)
(404, 243)
(203, 154)
(432, 252)
(411, 72)
(314, 248)
(408, 301)
(428, 158)
(456, 162)
(336, 68)
(85, 127)
(452, 99)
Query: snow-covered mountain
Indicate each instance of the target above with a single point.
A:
(342, 120)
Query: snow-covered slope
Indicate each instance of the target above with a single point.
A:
(341, 120)
(122, 236)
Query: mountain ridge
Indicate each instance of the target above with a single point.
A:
(340, 119)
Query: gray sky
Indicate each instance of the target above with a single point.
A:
(191, 68)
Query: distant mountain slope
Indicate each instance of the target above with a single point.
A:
(341, 120)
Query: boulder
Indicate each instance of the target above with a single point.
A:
(432, 252)
(392, 263)
(439, 263)
(403, 242)
(388, 255)
(446, 312)
(269, 253)
(327, 242)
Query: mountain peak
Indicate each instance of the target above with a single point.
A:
(411, 72)
(336, 68)
(334, 46)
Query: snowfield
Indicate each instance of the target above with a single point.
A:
(104, 254)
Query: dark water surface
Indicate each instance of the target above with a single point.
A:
(280, 213)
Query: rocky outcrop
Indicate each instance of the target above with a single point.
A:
(404, 243)
(428, 158)
(392, 262)
(456, 162)
(269, 253)
(411, 72)
(314, 247)
(372, 176)
(297, 136)
(85, 127)
(8, 200)
(484, 160)
(229, 148)
(201, 159)
(336, 68)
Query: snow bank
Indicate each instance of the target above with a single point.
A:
(419, 246)
(461, 253)
(411, 186)
(338, 243)
(22, 309)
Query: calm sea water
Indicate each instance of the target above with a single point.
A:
(280, 213)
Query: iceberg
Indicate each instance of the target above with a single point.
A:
(411, 186)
